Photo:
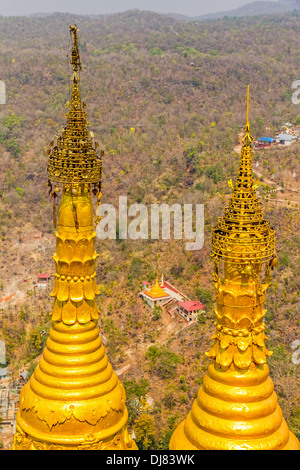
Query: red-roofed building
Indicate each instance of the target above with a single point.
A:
(43, 279)
(190, 310)
(146, 285)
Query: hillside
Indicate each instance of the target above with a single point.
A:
(166, 98)
(257, 8)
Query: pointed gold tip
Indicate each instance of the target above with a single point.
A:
(248, 101)
(247, 126)
(75, 58)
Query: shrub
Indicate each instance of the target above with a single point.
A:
(163, 361)
(157, 311)
(156, 51)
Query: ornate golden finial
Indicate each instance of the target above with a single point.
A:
(248, 139)
(236, 407)
(75, 58)
(248, 104)
(242, 235)
(74, 159)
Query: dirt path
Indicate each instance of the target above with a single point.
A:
(168, 327)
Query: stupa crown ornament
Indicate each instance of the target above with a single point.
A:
(74, 400)
(74, 158)
(243, 235)
(237, 408)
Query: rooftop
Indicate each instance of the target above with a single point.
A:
(43, 276)
(192, 305)
(285, 137)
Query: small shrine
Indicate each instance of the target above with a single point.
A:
(155, 296)
(171, 300)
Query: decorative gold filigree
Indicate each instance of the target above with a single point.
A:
(239, 347)
(122, 441)
(242, 235)
(74, 160)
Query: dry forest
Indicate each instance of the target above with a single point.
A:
(166, 98)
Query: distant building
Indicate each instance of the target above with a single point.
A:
(285, 139)
(264, 142)
(2, 92)
(190, 310)
(267, 140)
(2, 352)
(171, 300)
(155, 296)
(161, 293)
(173, 292)
(3, 373)
(23, 376)
(43, 279)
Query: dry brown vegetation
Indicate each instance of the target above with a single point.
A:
(182, 87)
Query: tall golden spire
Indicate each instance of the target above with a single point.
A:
(74, 399)
(236, 407)
(74, 159)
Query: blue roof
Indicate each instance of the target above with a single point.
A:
(266, 139)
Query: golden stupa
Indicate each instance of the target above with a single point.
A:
(236, 408)
(74, 399)
(156, 291)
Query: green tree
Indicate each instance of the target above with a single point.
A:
(294, 421)
(165, 433)
(12, 125)
(144, 428)
(163, 361)
(136, 389)
(215, 173)
(157, 311)
(13, 122)
(204, 296)
(135, 392)
(35, 341)
(156, 51)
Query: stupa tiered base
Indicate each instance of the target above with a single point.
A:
(74, 400)
(235, 411)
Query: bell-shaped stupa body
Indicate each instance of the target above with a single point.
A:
(74, 399)
(236, 407)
